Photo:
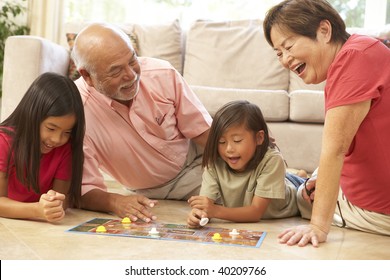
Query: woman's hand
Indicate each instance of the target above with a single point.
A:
(302, 235)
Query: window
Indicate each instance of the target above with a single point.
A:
(356, 13)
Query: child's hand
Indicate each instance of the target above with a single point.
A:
(201, 202)
(309, 191)
(50, 206)
(194, 217)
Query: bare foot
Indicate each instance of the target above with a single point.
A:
(302, 173)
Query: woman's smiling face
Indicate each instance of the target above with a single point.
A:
(305, 57)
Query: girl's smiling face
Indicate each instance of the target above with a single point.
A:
(308, 58)
(237, 146)
(56, 131)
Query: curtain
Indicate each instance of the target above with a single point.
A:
(46, 18)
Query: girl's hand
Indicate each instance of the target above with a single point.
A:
(309, 192)
(201, 202)
(194, 217)
(51, 206)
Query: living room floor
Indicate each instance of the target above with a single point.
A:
(32, 240)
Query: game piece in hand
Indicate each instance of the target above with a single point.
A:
(203, 221)
(101, 229)
(153, 231)
(126, 220)
(216, 236)
(234, 232)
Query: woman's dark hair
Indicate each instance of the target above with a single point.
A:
(50, 95)
(240, 112)
(303, 17)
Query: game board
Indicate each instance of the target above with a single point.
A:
(176, 232)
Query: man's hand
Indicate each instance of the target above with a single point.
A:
(135, 207)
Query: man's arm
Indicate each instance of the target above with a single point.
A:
(133, 206)
(98, 200)
(202, 139)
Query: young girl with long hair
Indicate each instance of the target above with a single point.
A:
(41, 151)
(243, 170)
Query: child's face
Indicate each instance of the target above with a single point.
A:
(237, 146)
(55, 132)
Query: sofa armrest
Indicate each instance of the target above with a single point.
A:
(25, 58)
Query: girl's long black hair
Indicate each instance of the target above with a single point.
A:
(50, 95)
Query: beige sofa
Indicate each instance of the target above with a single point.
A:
(221, 61)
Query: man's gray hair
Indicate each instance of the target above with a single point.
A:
(80, 61)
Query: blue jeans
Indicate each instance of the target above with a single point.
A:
(295, 179)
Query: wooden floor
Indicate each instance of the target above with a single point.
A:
(32, 240)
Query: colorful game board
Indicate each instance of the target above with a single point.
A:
(176, 232)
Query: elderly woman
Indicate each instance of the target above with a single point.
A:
(310, 38)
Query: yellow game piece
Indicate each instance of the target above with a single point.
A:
(126, 220)
(101, 229)
(216, 236)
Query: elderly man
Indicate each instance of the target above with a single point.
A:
(144, 125)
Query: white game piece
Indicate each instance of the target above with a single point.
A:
(153, 231)
(203, 221)
(234, 232)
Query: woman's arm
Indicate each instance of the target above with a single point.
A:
(341, 125)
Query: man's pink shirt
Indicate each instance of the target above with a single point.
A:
(144, 146)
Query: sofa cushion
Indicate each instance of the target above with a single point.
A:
(232, 54)
(71, 37)
(159, 41)
(274, 104)
(307, 106)
(299, 143)
(162, 41)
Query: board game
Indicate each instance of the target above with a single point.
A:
(173, 232)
